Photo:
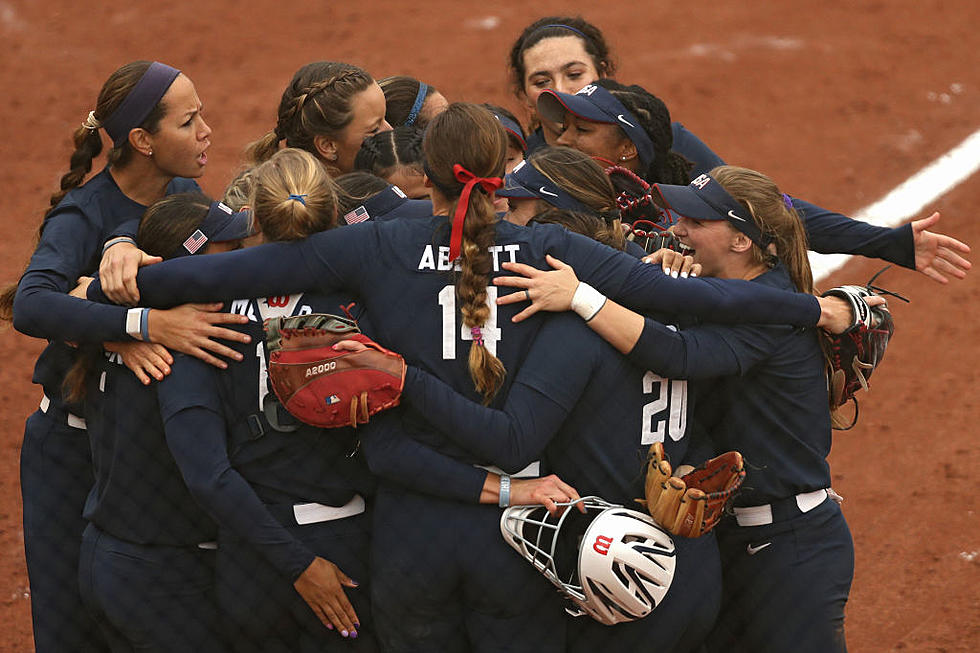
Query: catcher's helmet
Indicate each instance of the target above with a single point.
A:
(615, 564)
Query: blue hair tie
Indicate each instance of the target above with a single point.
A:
(299, 198)
(788, 201)
(568, 27)
(417, 107)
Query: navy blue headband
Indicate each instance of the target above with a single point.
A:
(417, 107)
(568, 27)
(145, 95)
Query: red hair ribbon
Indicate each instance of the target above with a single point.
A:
(489, 184)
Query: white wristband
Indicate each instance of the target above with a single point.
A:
(587, 301)
(133, 318)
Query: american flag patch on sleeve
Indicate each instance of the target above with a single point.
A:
(195, 241)
(359, 214)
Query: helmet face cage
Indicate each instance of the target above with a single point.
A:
(621, 564)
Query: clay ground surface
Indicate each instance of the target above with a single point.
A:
(839, 101)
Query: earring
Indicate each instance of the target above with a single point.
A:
(623, 158)
(150, 153)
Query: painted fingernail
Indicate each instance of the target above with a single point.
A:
(344, 633)
(353, 634)
(357, 625)
(684, 275)
(667, 271)
(329, 626)
(674, 274)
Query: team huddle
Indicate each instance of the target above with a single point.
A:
(565, 316)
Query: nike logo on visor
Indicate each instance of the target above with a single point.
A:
(731, 214)
(542, 190)
(623, 120)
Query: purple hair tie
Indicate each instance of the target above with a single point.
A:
(477, 334)
(140, 101)
(788, 201)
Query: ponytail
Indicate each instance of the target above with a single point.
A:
(88, 145)
(465, 148)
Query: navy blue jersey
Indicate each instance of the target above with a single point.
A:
(403, 268)
(71, 246)
(139, 494)
(592, 412)
(771, 404)
(236, 460)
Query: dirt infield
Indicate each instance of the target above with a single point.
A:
(839, 101)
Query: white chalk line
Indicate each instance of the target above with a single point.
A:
(911, 197)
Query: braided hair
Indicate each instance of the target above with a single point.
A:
(384, 152)
(469, 135)
(88, 145)
(667, 167)
(316, 102)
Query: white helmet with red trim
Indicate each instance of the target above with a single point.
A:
(615, 564)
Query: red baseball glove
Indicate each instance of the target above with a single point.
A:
(322, 386)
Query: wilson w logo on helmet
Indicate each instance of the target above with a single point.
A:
(614, 564)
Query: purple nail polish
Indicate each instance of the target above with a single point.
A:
(353, 634)
(330, 626)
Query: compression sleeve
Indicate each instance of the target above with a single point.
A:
(510, 438)
(703, 352)
(42, 307)
(129, 229)
(827, 232)
(196, 437)
(832, 233)
(394, 456)
(270, 269)
(648, 290)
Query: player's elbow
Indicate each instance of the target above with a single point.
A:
(27, 314)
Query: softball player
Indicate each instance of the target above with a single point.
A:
(516, 139)
(146, 568)
(398, 269)
(363, 196)
(328, 109)
(410, 102)
(395, 155)
(559, 405)
(566, 54)
(289, 498)
(788, 557)
(152, 114)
